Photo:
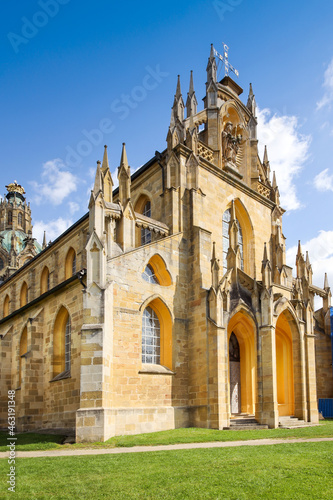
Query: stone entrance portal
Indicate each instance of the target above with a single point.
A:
(235, 377)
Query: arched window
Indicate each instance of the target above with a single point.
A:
(70, 263)
(22, 351)
(24, 294)
(20, 219)
(145, 233)
(2, 265)
(156, 271)
(157, 334)
(150, 337)
(10, 218)
(62, 343)
(225, 236)
(6, 306)
(45, 280)
(143, 206)
(149, 275)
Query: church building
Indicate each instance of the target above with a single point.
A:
(169, 304)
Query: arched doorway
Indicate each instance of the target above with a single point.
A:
(242, 364)
(234, 373)
(284, 367)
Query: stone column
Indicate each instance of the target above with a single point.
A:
(268, 407)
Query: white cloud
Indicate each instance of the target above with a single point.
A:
(287, 152)
(57, 183)
(323, 181)
(73, 207)
(53, 228)
(327, 98)
(320, 251)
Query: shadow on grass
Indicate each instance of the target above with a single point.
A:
(29, 441)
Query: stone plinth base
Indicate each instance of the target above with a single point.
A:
(99, 424)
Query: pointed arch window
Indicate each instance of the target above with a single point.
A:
(6, 306)
(62, 344)
(2, 265)
(24, 294)
(150, 337)
(70, 264)
(145, 233)
(149, 275)
(225, 236)
(10, 218)
(45, 280)
(20, 219)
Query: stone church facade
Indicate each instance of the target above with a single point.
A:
(169, 304)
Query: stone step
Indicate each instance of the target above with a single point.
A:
(248, 427)
(293, 423)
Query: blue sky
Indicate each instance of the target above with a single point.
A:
(68, 65)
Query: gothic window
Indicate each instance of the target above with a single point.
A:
(20, 219)
(225, 236)
(150, 337)
(10, 218)
(24, 294)
(68, 345)
(149, 275)
(1, 264)
(145, 233)
(6, 306)
(70, 264)
(62, 344)
(45, 280)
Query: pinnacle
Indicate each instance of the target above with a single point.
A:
(251, 91)
(265, 253)
(274, 184)
(105, 164)
(191, 89)
(98, 179)
(211, 56)
(326, 285)
(265, 155)
(178, 89)
(123, 160)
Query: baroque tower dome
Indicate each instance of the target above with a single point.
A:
(17, 246)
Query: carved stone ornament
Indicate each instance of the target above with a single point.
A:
(230, 144)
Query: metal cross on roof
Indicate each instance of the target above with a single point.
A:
(225, 61)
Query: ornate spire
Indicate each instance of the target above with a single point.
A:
(215, 268)
(124, 177)
(266, 164)
(211, 67)
(191, 102)
(178, 103)
(251, 102)
(233, 227)
(266, 269)
(98, 185)
(105, 164)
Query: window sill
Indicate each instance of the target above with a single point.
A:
(61, 376)
(155, 369)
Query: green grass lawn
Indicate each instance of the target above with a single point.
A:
(27, 441)
(285, 471)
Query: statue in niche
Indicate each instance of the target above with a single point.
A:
(230, 144)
